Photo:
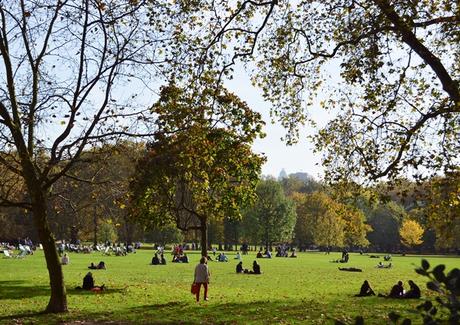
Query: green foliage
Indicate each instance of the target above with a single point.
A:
(272, 217)
(108, 232)
(446, 306)
(164, 235)
(200, 165)
(385, 221)
(323, 221)
(443, 209)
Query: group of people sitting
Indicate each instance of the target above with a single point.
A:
(266, 254)
(158, 260)
(180, 258)
(100, 266)
(397, 291)
(283, 252)
(222, 257)
(255, 268)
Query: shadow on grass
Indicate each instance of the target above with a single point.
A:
(262, 312)
(17, 290)
(180, 312)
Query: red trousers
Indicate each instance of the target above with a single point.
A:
(205, 285)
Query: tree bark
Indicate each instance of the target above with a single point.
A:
(95, 228)
(58, 299)
(204, 238)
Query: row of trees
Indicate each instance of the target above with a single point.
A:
(293, 210)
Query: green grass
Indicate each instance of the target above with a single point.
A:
(306, 290)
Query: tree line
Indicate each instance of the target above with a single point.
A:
(296, 210)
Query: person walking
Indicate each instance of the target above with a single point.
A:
(201, 277)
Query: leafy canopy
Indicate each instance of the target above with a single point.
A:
(200, 164)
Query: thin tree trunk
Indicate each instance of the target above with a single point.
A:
(204, 238)
(58, 299)
(95, 228)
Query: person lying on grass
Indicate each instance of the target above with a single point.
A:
(350, 269)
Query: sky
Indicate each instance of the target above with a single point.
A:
(295, 158)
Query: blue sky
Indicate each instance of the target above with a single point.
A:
(295, 158)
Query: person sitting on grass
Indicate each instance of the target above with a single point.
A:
(397, 291)
(176, 259)
(101, 265)
(184, 258)
(162, 259)
(88, 283)
(239, 267)
(255, 268)
(268, 254)
(155, 259)
(293, 254)
(414, 291)
(65, 259)
(387, 257)
(365, 290)
(92, 266)
(238, 256)
(222, 257)
(259, 255)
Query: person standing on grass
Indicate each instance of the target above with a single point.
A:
(202, 278)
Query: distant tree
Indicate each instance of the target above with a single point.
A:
(303, 230)
(200, 167)
(272, 217)
(355, 226)
(108, 231)
(411, 233)
(164, 235)
(293, 184)
(385, 220)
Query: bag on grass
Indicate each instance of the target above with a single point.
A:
(195, 288)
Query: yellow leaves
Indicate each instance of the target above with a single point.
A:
(411, 233)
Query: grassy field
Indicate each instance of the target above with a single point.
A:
(306, 290)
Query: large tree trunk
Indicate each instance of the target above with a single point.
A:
(204, 238)
(58, 299)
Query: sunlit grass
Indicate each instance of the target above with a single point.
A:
(306, 290)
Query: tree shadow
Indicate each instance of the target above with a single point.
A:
(16, 289)
(225, 313)
(107, 291)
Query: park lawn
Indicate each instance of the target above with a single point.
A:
(306, 290)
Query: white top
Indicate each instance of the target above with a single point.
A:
(202, 273)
